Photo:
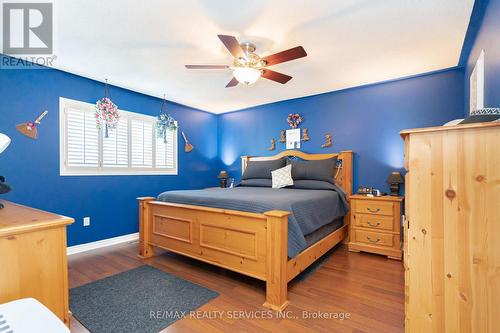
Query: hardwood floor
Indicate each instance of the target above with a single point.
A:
(366, 286)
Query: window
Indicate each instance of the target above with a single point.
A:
(131, 149)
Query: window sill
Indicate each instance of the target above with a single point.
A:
(119, 173)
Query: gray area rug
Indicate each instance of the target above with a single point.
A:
(141, 300)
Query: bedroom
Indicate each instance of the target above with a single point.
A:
(154, 195)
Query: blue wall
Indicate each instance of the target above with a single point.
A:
(487, 38)
(366, 120)
(32, 167)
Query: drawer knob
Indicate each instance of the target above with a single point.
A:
(371, 240)
(371, 224)
(373, 210)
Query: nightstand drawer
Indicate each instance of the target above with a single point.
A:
(374, 238)
(375, 207)
(374, 221)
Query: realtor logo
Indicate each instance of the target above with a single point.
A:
(27, 28)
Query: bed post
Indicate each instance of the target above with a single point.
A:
(145, 249)
(276, 260)
(347, 183)
(244, 162)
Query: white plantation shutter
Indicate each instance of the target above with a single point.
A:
(82, 139)
(165, 151)
(115, 147)
(131, 149)
(142, 143)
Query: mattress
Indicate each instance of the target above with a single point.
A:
(324, 231)
(310, 209)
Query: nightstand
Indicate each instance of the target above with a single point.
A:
(375, 225)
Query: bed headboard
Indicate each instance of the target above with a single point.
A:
(342, 171)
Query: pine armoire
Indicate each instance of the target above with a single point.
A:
(452, 232)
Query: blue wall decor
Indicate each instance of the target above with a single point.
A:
(32, 167)
(366, 120)
(485, 31)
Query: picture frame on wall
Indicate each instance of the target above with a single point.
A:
(293, 138)
(477, 85)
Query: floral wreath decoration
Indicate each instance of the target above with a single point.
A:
(106, 112)
(294, 120)
(165, 122)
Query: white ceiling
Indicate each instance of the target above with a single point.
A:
(143, 45)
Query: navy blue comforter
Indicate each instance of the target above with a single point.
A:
(310, 209)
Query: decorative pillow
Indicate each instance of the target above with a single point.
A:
(314, 170)
(262, 169)
(282, 177)
(257, 182)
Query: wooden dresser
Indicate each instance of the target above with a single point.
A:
(376, 225)
(33, 257)
(452, 252)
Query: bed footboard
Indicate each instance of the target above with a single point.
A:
(145, 249)
(249, 243)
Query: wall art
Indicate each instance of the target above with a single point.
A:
(328, 141)
(305, 134)
(477, 85)
(30, 129)
(293, 138)
(294, 120)
(273, 145)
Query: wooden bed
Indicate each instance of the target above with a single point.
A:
(248, 243)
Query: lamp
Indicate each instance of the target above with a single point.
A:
(394, 180)
(246, 75)
(4, 143)
(223, 179)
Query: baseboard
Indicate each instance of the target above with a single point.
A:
(102, 243)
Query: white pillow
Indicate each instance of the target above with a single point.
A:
(282, 177)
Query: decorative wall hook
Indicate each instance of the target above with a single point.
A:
(273, 145)
(305, 135)
(282, 136)
(328, 141)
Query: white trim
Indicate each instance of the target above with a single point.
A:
(64, 170)
(102, 243)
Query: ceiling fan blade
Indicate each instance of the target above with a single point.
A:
(232, 44)
(206, 66)
(232, 83)
(275, 76)
(284, 56)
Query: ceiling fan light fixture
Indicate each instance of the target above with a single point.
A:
(246, 75)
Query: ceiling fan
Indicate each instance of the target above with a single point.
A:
(248, 67)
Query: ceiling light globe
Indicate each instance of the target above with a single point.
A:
(246, 75)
